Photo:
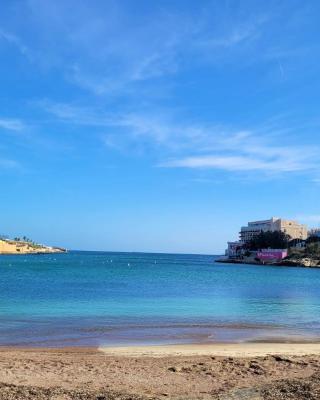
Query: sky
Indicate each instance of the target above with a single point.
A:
(157, 126)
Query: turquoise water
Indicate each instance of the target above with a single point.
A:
(102, 298)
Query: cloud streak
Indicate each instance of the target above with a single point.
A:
(207, 146)
(106, 52)
(15, 41)
(11, 124)
(8, 164)
(236, 163)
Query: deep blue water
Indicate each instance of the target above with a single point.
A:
(102, 298)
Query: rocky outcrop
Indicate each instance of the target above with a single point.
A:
(305, 261)
(301, 261)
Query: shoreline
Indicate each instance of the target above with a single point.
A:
(284, 263)
(247, 349)
(244, 349)
(134, 336)
(34, 253)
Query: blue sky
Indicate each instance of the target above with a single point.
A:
(157, 126)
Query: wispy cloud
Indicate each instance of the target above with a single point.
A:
(68, 112)
(106, 52)
(9, 164)
(15, 41)
(238, 34)
(195, 146)
(134, 60)
(250, 151)
(11, 124)
(238, 163)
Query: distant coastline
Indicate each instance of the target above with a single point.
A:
(26, 246)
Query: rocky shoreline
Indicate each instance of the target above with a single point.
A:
(301, 261)
(35, 252)
(291, 261)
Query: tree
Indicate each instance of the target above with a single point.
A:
(313, 239)
(313, 248)
(269, 239)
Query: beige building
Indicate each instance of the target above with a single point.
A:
(291, 228)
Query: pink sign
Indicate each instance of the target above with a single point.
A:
(272, 254)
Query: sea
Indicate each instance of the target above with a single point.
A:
(121, 299)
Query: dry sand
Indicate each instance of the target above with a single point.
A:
(224, 372)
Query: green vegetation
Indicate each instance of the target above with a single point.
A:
(272, 240)
(313, 248)
(309, 255)
(313, 239)
(23, 239)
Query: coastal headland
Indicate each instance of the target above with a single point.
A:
(8, 246)
(256, 371)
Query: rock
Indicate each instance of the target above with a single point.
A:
(280, 358)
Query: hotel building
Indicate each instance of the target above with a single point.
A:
(291, 228)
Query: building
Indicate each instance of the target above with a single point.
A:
(291, 228)
(234, 248)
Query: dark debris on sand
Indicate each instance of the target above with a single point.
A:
(13, 392)
(307, 388)
(295, 389)
(300, 389)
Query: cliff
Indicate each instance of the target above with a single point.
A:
(22, 247)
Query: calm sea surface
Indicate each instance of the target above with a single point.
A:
(102, 298)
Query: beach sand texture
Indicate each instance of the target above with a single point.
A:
(198, 372)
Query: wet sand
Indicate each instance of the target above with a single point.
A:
(217, 349)
(243, 371)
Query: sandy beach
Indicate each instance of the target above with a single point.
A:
(217, 371)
